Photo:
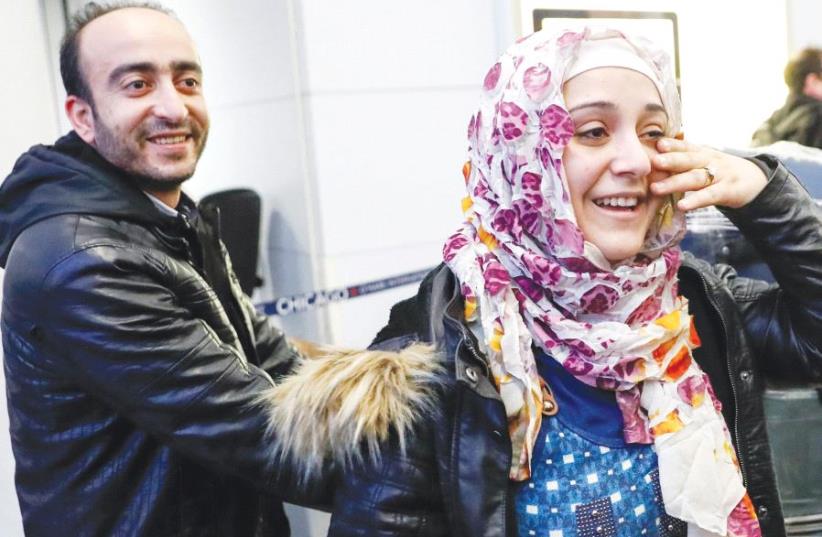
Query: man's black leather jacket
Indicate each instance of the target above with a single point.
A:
(452, 478)
(133, 362)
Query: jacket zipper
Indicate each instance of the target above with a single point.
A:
(465, 341)
(730, 376)
(190, 254)
(245, 333)
(474, 352)
(232, 309)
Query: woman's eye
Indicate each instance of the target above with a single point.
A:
(654, 133)
(596, 133)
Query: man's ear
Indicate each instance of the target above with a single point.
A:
(81, 117)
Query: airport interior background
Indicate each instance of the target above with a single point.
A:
(348, 119)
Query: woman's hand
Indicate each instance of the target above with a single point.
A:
(707, 176)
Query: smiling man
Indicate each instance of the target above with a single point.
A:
(135, 95)
(134, 364)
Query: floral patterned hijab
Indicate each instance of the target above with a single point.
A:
(529, 275)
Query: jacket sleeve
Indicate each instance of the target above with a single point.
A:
(399, 494)
(783, 320)
(372, 415)
(113, 321)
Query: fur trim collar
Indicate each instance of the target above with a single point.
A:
(340, 407)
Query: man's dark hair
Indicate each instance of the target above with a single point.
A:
(807, 62)
(73, 79)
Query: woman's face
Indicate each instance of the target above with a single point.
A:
(618, 118)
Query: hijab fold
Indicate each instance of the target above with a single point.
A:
(530, 278)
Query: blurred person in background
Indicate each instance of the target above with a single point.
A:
(800, 118)
(591, 378)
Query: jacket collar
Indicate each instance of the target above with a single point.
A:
(440, 294)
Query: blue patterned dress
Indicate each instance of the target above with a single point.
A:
(586, 481)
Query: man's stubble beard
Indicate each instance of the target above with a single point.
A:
(123, 155)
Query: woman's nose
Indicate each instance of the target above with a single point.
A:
(631, 157)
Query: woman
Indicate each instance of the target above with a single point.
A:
(595, 380)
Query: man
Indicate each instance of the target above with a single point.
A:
(134, 364)
(800, 119)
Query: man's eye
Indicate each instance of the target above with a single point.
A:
(137, 85)
(654, 133)
(190, 82)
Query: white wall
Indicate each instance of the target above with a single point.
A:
(28, 109)
(733, 53)
(28, 106)
(803, 24)
(389, 88)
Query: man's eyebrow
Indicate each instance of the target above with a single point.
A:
(148, 67)
(186, 65)
(138, 67)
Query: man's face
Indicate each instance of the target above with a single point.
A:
(148, 114)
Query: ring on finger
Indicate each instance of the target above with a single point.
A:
(710, 175)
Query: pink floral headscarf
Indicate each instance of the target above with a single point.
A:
(526, 270)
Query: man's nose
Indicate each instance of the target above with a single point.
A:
(632, 157)
(170, 104)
